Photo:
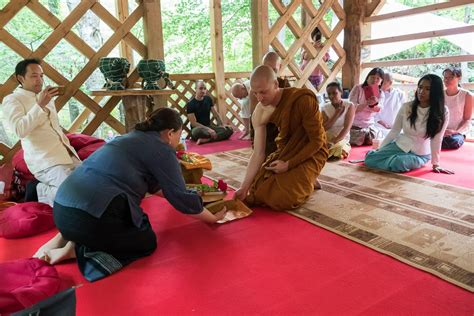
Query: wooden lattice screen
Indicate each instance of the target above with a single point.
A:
(63, 30)
(99, 107)
(314, 18)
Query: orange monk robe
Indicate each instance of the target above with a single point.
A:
(302, 142)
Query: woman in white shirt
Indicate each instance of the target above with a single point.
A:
(417, 132)
(363, 128)
(459, 103)
(338, 116)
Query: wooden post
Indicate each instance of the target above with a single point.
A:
(123, 12)
(218, 55)
(259, 31)
(355, 13)
(153, 32)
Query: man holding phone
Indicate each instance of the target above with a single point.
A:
(31, 114)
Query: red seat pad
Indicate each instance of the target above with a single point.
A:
(26, 282)
(88, 150)
(84, 145)
(25, 219)
(79, 141)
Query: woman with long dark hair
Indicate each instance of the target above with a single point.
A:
(363, 128)
(97, 208)
(417, 133)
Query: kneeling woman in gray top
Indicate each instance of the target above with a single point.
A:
(97, 208)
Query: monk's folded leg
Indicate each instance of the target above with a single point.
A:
(287, 190)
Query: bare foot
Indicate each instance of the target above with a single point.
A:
(56, 242)
(57, 255)
(201, 141)
(317, 185)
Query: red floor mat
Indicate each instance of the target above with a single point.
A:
(460, 161)
(269, 263)
(231, 144)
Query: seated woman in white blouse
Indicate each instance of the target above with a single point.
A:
(338, 116)
(417, 133)
(459, 103)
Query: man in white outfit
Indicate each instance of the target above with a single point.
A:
(394, 98)
(31, 114)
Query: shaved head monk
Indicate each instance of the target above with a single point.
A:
(286, 178)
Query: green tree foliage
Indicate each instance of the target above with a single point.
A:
(187, 34)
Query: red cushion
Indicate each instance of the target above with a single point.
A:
(25, 219)
(19, 164)
(79, 141)
(26, 282)
(85, 152)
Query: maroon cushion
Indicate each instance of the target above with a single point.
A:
(79, 141)
(25, 219)
(26, 282)
(85, 152)
(20, 166)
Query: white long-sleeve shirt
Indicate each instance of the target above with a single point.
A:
(413, 139)
(393, 100)
(42, 138)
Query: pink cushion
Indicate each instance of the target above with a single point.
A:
(26, 282)
(25, 219)
(86, 151)
(79, 141)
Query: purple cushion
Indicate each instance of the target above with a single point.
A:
(25, 219)
(26, 282)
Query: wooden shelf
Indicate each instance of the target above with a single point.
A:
(127, 92)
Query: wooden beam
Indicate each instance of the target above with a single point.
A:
(281, 22)
(114, 24)
(355, 12)
(123, 12)
(129, 92)
(218, 54)
(305, 34)
(419, 61)
(429, 34)
(420, 10)
(153, 29)
(152, 25)
(374, 7)
(259, 31)
(50, 19)
(203, 76)
(295, 28)
(10, 10)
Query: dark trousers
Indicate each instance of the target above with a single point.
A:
(223, 133)
(113, 233)
(453, 141)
